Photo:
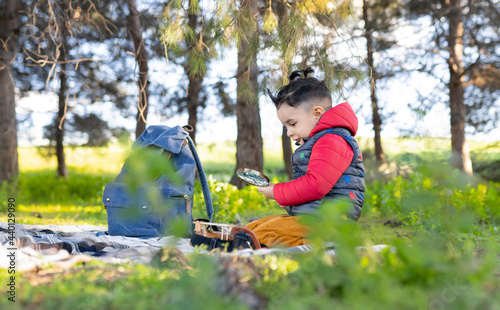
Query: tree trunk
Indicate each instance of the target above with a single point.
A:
(9, 28)
(460, 151)
(194, 86)
(193, 101)
(141, 57)
(286, 142)
(249, 146)
(62, 170)
(377, 121)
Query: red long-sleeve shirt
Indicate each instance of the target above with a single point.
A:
(330, 157)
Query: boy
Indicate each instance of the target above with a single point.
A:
(328, 164)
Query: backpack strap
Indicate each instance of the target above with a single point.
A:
(203, 180)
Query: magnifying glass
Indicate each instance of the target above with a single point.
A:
(252, 177)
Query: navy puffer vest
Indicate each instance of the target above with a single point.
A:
(351, 184)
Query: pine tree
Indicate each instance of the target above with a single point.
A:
(191, 37)
(286, 141)
(49, 29)
(134, 26)
(380, 18)
(60, 42)
(9, 36)
(249, 143)
(472, 82)
(62, 50)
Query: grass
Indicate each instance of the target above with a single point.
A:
(57, 214)
(99, 160)
(443, 226)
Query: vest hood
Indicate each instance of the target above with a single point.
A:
(341, 115)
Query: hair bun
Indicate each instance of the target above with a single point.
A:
(295, 74)
(300, 74)
(302, 87)
(307, 71)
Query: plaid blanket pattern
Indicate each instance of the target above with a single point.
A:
(37, 245)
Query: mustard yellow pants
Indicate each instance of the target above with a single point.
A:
(279, 230)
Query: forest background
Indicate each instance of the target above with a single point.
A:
(106, 69)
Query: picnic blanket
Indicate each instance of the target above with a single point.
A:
(39, 245)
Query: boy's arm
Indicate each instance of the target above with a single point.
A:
(330, 157)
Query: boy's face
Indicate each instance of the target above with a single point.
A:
(299, 121)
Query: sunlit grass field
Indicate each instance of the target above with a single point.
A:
(44, 199)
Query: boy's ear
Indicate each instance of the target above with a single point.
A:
(318, 111)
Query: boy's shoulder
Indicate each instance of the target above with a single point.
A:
(334, 138)
(336, 133)
(340, 116)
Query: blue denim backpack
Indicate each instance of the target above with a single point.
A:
(149, 210)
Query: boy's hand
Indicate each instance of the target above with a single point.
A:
(267, 191)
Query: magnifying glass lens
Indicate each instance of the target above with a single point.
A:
(252, 177)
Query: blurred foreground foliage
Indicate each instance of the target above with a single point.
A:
(436, 270)
(450, 262)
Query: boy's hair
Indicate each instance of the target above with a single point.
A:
(301, 89)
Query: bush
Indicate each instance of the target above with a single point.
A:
(233, 205)
(435, 272)
(422, 194)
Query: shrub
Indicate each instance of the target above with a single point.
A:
(435, 272)
(230, 204)
(421, 194)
